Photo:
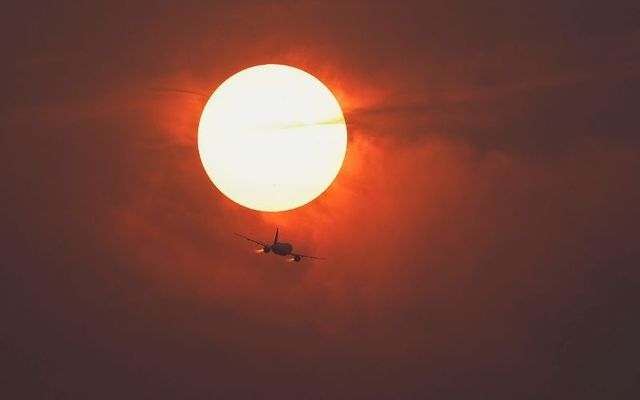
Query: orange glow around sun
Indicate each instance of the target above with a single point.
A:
(272, 137)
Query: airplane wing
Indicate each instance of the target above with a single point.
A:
(249, 239)
(304, 256)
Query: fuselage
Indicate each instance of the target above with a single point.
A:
(282, 249)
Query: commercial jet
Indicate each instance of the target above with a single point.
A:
(279, 248)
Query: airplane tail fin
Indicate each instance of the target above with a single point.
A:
(276, 238)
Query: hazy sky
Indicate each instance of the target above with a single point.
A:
(482, 236)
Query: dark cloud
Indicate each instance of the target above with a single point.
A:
(480, 236)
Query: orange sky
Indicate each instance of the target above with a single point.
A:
(481, 236)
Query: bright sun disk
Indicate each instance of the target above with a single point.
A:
(272, 137)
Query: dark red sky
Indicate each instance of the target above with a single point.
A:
(482, 236)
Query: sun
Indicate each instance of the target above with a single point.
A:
(272, 137)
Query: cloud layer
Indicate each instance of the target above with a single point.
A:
(480, 236)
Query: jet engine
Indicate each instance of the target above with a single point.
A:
(267, 249)
(297, 258)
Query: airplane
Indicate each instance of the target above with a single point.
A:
(279, 248)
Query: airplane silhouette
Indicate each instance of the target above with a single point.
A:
(279, 248)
